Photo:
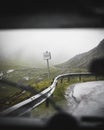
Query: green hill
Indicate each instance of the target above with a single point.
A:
(82, 61)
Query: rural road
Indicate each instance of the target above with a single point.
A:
(86, 99)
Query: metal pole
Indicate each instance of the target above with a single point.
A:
(47, 56)
(48, 69)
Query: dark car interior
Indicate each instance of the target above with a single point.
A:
(53, 15)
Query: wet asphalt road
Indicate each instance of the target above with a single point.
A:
(86, 99)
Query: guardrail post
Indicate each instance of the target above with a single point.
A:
(61, 80)
(79, 77)
(68, 79)
(47, 102)
(96, 77)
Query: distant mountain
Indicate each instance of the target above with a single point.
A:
(82, 61)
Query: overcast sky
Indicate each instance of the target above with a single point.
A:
(62, 43)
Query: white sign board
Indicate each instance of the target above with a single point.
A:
(47, 55)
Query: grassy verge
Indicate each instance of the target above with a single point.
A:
(58, 96)
(38, 80)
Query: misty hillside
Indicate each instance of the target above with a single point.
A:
(82, 61)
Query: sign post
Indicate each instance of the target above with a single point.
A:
(47, 57)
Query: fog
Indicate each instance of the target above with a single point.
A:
(28, 45)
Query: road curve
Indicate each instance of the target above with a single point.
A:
(86, 99)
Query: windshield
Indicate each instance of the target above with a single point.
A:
(51, 61)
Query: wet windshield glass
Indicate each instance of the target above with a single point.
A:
(22, 58)
(51, 60)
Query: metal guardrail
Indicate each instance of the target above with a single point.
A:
(27, 105)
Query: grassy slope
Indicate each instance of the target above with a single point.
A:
(81, 62)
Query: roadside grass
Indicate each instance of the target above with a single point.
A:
(58, 95)
(39, 81)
